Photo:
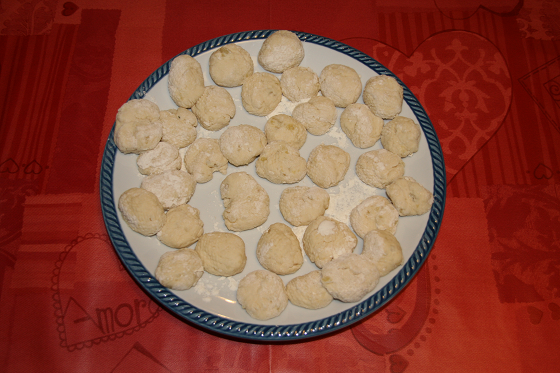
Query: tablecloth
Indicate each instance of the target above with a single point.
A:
(486, 300)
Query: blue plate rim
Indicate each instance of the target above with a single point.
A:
(271, 333)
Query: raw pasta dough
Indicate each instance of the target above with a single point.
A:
(222, 253)
(262, 294)
(278, 250)
(246, 202)
(180, 269)
(326, 239)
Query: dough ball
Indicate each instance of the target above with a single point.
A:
(307, 291)
(300, 205)
(401, 136)
(214, 109)
(318, 115)
(285, 128)
(281, 51)
(246, 202)
(375, 212)
(384, 250)
(242, 144)
(350, 277)
(222, 253)
(203, 158)
(384, 96)
(327, 165)
(341, 84)
(178, 127)
(172, 188)
(179, 269)
(164, 157)
(361, 126)
(279, 163)
(230, 65)
(142, 211)
(137, 110)
(261, 93)
(278, 250)
(326, 239)
(182, 228)
(299, 83)
(137, 137)
(409, 197)
(262, 294)
(379, 168)
(186, 82)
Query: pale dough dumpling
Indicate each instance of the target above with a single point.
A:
(299, 83)
(361, 126)
(179, 269)
(261, 93)
(172, 188)
(384, 96)
(307, 291)
(214, 109)
(137, 110)
(230, 65)
(142, 211)
(326, 239)
(409, 197)
(341, 84)
(246, 202)
(279, 163)
(283, 127)
(281, 51)
(327, 165)
(203, 158)
(379, 168)
(350, 277)
(178, 127)
(375, 212)
(164, 157)
(384, 250)
(182, 228)
(401, 136)
(278, 250)
(318, 115)
(242, 144)
(300, 205)
(262, 294)
(137, 137)
(222, 253)
(186, 82)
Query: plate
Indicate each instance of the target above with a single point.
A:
(212, 304)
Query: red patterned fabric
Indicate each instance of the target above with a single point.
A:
(487, 298)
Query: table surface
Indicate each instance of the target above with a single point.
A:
(488, 296)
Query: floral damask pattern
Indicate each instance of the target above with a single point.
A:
(21, 17)
(540, 19)
(447, 72)
(524, 231)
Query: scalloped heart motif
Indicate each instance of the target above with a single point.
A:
(119, 308)
(463, 82)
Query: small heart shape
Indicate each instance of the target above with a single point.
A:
(9, 166)
(69, 8)
(535, 315)
(33, 168)
(398, 363)
(543, 172)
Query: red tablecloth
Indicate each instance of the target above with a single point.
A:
(486, 300)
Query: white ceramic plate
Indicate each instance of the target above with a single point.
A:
(212, 303)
